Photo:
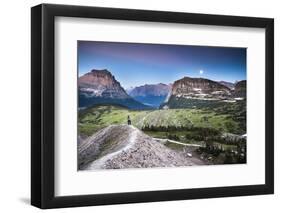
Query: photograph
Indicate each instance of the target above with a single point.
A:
(160, 105)
(141, 105)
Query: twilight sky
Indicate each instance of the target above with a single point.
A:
(135, 64)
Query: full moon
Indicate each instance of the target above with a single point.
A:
(201, 72)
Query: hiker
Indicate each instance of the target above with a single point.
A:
(129, 120)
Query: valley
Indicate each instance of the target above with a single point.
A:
(98, 117)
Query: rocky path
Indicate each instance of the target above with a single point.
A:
(123, 146)
(177, 142)
(99, 163)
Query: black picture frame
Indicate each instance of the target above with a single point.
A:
(43, 102)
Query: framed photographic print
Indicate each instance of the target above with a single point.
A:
(139, 106)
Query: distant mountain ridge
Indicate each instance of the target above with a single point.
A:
(151, 94)
(230, 85)
(101, 87)
(150, 90)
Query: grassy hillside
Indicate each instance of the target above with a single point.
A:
(96, 118)
(93, 119)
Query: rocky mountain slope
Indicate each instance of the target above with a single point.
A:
(199, 92)
(123, 146)
(240, 89)
(101, 87)
(199, 87)
(101, 83)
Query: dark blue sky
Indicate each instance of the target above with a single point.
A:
(135, 64)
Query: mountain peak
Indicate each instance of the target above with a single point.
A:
(101, 71)
(101, 83)
(99, 86)
(98, 78)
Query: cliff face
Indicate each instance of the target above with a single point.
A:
(198, 87)
(199, 92)
(101, 83)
